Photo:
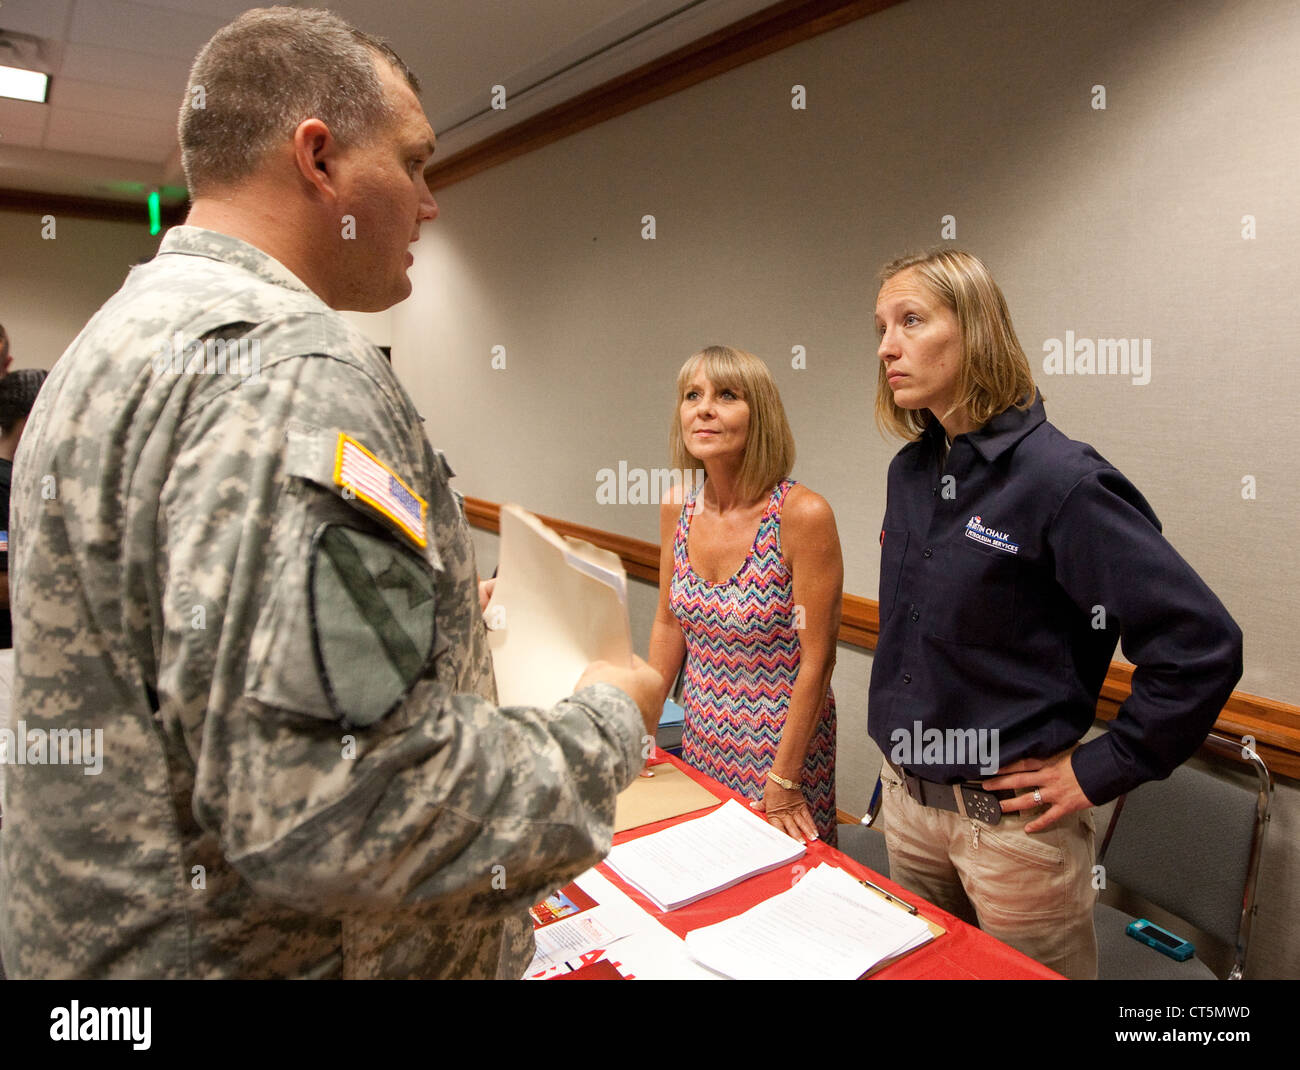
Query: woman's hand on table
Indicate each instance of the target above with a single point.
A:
(787, 810)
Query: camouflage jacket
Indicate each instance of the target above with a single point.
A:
(237, 555)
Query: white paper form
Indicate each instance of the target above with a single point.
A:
(827, 927)
(697, 858)
(570, 938)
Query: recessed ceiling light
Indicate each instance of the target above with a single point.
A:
(18, 84)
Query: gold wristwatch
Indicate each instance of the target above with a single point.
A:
(789, 785)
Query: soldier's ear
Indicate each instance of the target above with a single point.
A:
(315, 155)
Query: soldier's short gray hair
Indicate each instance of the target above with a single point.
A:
(263, 74)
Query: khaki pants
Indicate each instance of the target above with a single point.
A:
(1033, 892)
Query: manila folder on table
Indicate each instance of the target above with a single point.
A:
(669, 793)
(558, 605)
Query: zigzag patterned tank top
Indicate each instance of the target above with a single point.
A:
(742, 656)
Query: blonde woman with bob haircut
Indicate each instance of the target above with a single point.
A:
(1012, 561)
(750, 582)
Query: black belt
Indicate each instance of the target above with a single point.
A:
(967, 797)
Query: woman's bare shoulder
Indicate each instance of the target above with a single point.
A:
(807, 510)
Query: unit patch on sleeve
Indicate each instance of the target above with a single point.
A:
(371, 604)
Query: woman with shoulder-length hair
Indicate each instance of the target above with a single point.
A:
(750, 582)
(1012, 560)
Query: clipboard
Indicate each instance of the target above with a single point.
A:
(936, 930)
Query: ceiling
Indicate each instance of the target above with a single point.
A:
(118, 72)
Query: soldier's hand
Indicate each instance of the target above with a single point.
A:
(642, 683)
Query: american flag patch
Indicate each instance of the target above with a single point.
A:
(4, 542)
(359, 470)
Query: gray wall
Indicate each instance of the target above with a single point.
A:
(50, 287)
(1125, 222)
(771, 224)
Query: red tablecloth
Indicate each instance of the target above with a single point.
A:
(963, 952)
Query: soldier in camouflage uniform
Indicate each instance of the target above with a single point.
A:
(238, 556)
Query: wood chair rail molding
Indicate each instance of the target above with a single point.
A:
(1274, 725)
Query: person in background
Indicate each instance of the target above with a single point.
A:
(750, 587)
(18, 392)
(1012, 560)
(6, 357)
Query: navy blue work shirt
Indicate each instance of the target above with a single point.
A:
(1007, 575)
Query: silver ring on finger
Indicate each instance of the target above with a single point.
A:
(1038, 797)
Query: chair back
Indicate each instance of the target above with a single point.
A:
(1191, 845)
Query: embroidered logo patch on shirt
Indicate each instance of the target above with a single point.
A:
(373, 482)
(985, 536)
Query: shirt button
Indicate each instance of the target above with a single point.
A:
(927, 552)
(907, 677)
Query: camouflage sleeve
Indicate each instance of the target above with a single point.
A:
(341, 757)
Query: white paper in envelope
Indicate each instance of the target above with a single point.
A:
(558, 605)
